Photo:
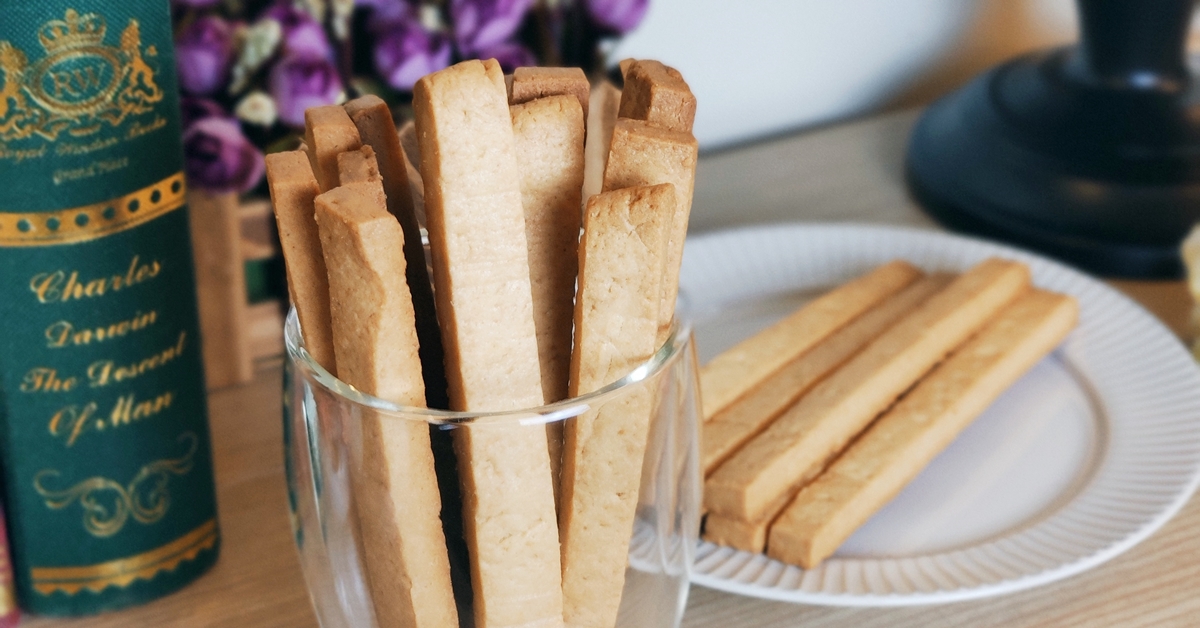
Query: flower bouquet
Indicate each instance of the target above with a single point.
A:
(249, 68)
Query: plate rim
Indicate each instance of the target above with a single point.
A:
(1039, 266)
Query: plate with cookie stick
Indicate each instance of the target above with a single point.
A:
(895, 416)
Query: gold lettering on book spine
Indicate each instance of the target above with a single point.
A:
(79, 85)
(122, 572)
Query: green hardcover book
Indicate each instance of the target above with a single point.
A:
(104, 443)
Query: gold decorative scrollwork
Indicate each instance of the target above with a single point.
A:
(107, 504)
(78, 84)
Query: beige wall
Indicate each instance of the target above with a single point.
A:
(764, 67)
(1000, 30)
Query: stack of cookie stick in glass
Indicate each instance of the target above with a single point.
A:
(529, 301)
(813, 424)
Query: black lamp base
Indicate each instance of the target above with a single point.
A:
(1099, 169)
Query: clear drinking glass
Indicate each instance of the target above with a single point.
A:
(321, 438)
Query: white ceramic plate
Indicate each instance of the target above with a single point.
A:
(1084, 457)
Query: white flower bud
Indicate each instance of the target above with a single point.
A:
(342, 10)
(315, 8)
(259, 42)
(431, 18)
(257, 108)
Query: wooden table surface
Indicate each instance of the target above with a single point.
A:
(849, 172)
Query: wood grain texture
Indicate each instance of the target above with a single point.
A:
(852, 172)
(220, 288)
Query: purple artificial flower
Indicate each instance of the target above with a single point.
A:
(387, 13)
(195, 4)
(483, 24)
(193, 108)
(218, 158)
(406, 52)
(620, 16)
(511, 56)
(203, 55)
(297, 83)
(302, 35)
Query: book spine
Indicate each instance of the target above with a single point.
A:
(104, 442)
(10, 615)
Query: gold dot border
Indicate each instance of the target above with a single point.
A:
(89, 222)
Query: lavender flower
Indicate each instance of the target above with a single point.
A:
(511, 56)
(203, 54)
(218, 158)
(406, 52)
(297, 83)
(302, 35)
(483, 24)
(619, 16)
(195, 4)
(387, 13)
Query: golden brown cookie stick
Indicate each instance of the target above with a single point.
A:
(481, 270)
(549, 142)
(373, 119)
(395, 489)
(533, 83)
(732, 427)
(328, 132)
(644, 155)
(293, 187)
(357, 166)
(624, 65)
(731, 374)
(796, 446)
(412, 164)
(748, 536)
(657, 94)
(604, 102)
(408, 142)
(616, 322)
(903, 441)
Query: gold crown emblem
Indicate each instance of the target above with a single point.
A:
(74, 31)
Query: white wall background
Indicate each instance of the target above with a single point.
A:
(759, 67)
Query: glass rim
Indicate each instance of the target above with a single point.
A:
(677, 342)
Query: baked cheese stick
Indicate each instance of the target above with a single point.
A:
(328, 132)
(395, 488)
(795, 447)
(549, 141)
(533, 83)
(373, 119)
(645, 155)
(658, 95)
(293, 187)
(730, 428)
(903, 441)
(734, 372)
(603, 103)
(616, 322)
(484, 304)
